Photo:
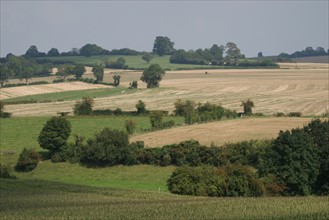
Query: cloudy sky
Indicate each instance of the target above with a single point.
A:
(268, 26)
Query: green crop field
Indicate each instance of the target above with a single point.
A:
(38, 199)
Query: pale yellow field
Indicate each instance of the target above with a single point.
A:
(12, 92)
(272, 90)
(222, 132)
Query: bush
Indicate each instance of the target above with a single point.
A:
(133, 84)
(3, 114)
(130, 126)
(156, 118)
(109, 148)
(294, 114)
(5, 172)
(141, 107)
(58, 80)
(247, 107)
(28, 160)
(54, 134)
(117, 111)
(232, 180)
(196, 181)
(84, 107)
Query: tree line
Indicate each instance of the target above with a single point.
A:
(308, 52)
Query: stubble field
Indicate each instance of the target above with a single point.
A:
(302, 90)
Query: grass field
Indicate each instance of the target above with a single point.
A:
(135, 62)
(37, 199)
(17, 133)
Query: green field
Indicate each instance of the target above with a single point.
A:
(71, 95)
(133, 62)
(37, 199)
(17, 133)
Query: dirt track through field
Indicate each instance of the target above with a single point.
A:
(222, 132)
(272, 90)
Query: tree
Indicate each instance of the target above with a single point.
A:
(319, 132)
(64, 71)
(133, 84)
(247, 107)
(90, 50)
(78, 71)
(5, 73)
(84, 107)
(147, 57)
(140, 106)
(53, 52)
(98, 72)
(293, 159)
(32, 52)
(232, 54)
(153, 75)
(217, 54)
(186, 109)
(54, 134)
(260, 55)
(163, 46)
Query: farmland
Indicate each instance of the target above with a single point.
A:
(55, 190)
(272, 90)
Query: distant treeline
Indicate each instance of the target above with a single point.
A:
(308, 52)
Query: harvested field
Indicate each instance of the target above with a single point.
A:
(12, 92)
(272, 90)
(222, 132)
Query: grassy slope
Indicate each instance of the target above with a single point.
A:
(17, 133)
(35, 199)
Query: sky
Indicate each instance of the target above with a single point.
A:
(271, 27)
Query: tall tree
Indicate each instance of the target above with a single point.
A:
(217, 53)
(163, 46)
(233, 54)
(90, 50)
(153, 75)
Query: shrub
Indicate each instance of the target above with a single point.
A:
(58, 80)
(156, 118)
(130, 126)
(294, 114)
(279, 114)
(168, 124)
(72, 152)
(196, 181)
(3, 114)
(133, 84)
(141, 107)
(247, 107)
(109, 147)
(5, 172)
(27, 161)
(117, 111)
(54, 134)
(84, 107)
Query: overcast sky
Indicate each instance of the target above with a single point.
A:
(268, 26)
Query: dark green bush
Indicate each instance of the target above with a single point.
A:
(28, 160)
(294, 114)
